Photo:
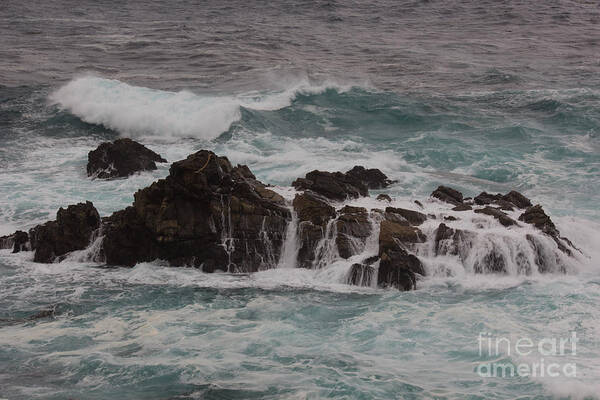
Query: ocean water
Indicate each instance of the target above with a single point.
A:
(480, 96)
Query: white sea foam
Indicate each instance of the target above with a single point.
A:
(140, 111)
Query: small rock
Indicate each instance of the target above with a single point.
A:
(372, 178)
(333, 185)
(121, 158)
(517, 199)
(448, 195)
(412, 217)
(384, 197)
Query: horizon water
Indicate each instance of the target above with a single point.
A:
(480, 96)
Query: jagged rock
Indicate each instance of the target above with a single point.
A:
(333, 185)
(504, 219)
(384, 197)
(517, 199)
(448, 195)
(404, 216)
(450, 218)
(313, 216)
(361, 274)
(485, 198)
(417, 202)
(205, 214)
(121, 158)
(397, 267)
(353, 230)
(536, 216)
(505, 205)
(372, 178)
(450, 241)
(72, 230)
(18, 241)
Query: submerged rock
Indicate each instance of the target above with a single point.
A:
(121, 158)
(72, 230)
(206, 214)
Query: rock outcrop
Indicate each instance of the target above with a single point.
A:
(398, 267)
(206, 214)
(211, 215)
(372, 178)
(340, 186)
(18, 241)
(314, 214)
(72, 230)
(121, 158)
(353, 230)
(332, 185)
(448, 195)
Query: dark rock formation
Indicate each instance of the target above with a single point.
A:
(18, 241)
(504, 219)
(71, 231)
(372, 178)
(313, 216)
(485, 198)
(462, 207)
(121, 158)
(450, 241)
(361, 274)
(536, 216)
(398, 268)
(505, 202)
(517, 199)
(384, 197)
(353, 230)
(333, 185)
(448, 195)
(403, 216)
(206, 213)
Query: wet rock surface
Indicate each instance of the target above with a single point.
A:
(206, 214)
(121, 158)
(211, 215)
(314, 214)
(372, 178)
(353, 230)
(332, 185)
(18, 241)
(72, 230)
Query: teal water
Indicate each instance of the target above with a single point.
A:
(478, 95)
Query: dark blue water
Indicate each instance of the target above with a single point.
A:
(479, 95)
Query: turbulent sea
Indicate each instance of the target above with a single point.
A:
(477, 95)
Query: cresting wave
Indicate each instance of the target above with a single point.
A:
(140, 111)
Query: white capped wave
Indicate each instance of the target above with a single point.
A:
(145, 112)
